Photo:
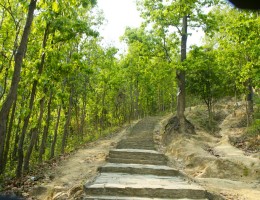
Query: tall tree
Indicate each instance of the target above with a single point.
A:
(4, 112)
(178, 15)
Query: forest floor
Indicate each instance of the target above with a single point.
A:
(208, 158)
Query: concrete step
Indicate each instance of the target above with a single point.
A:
(135, 161)
(129, 198)
(127, 146)
(137, 141)
(138, 154)
(158, 170)
(149, 186)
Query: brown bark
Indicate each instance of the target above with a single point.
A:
(83, 113)
(16, 140)
(34, 89)
(66, 125)
(45, 130)
(53, 144)
(181, 77)
(8, 136)
(34, 133)
(250, 102)
(4, 112)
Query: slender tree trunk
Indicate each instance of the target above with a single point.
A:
(181, 78)
(53, 144)
(8, 136)
(27, 118)
(131, 109)
(34, 89)
(35, 131)
(4, 112)
(83, 115)
(77, 108)
(16, 141)
(250, 102)
(66, 125)
(103, 112)
(136, 113)
(46, 130)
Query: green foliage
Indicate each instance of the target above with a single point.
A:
(254, 129)
(237, 41)
(84, 91)
(204, 76)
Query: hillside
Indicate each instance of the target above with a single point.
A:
(211, 159)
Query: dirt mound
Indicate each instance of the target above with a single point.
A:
(211, 159)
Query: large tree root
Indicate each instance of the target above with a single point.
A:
(173, 127)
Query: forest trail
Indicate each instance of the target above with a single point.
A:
(209, 160)
(136, 171)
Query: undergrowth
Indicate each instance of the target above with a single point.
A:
(250, 140)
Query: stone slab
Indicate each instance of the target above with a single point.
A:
(159, 170)
(119, 184)
(136, 161)
(140, 154)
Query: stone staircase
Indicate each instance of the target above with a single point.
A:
(136, 171)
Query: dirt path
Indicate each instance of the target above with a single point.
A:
(71, 173)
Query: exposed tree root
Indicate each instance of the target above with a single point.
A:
(173, 127)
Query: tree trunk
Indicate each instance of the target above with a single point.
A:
(27, 118)
(46, 130)
(8, 136)
(181, 78)
(55, 134)
(34, 89)
(83, 113)
(16, 140)
(66, 125)
(250, 102)
(136, 99)
(131, 109)
(4, 112)
(35, 131)
(103, 111)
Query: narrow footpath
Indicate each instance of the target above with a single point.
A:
(136, 171)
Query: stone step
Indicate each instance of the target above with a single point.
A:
(139, 138)
(137, 154)
(149, 186)
(135, 146)
(158, 170)
(135, 161)
(129, 198)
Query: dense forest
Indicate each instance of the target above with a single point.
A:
(59, 87)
